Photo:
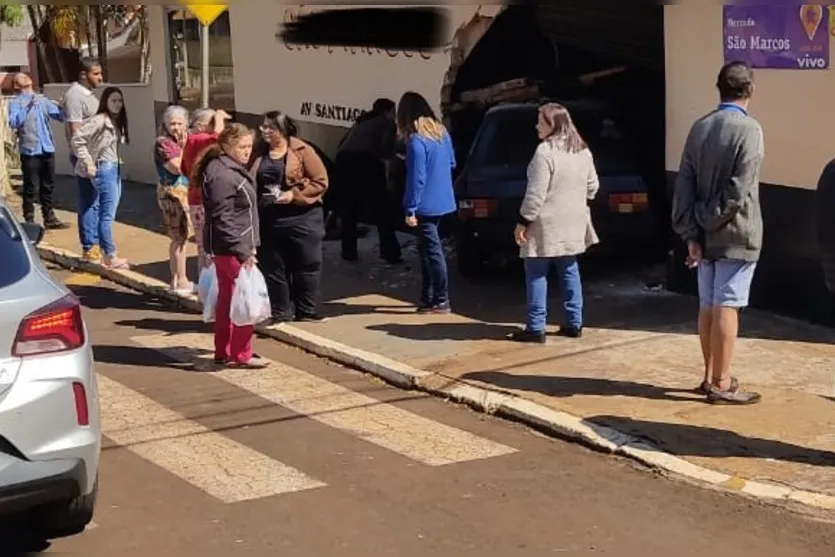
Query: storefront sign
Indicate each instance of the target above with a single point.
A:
(334, 112)
(777, 36)
(292, 15)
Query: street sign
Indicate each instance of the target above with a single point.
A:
(205, 13)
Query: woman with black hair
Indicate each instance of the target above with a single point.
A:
(430, 160)
(361, 166)
(291, 181)
(96, 146)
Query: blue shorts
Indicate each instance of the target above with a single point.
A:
(725, 282)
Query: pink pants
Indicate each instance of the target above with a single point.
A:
(232, 343)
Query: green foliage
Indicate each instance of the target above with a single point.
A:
(11, 14)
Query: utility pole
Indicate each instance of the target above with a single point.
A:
(204, 82)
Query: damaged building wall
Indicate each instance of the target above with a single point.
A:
(463, 41)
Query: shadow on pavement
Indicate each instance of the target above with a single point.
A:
(689, 440)
(619, 294)
(103, 297)
(336, 309)
(170, 326)
(136, 356)
(19, 540)
(160, 269)
(241, 418)
(564, 387)
(137, 207)
(446, 331)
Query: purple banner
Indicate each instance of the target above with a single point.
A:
(794, 37)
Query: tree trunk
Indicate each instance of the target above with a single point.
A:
(45, 69)
(58, 54)
(5, 186)
(101, 37)
(88, 34)
(144, 47)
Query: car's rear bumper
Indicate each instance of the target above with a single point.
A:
(27, 484)
(38, 414)
(619, 234)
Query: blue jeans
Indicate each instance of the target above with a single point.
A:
(434, 288)
(536, 278)
(98, 199)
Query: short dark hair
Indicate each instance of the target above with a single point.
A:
(383, 105)
(88, 64)
(735, 81)
(285, 125)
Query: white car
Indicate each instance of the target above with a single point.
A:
(50, 433)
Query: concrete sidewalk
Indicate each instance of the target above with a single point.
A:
(624, 387)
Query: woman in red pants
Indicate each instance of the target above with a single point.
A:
(230, 235)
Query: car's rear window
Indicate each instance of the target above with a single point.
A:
(508, 139)
(15, 263)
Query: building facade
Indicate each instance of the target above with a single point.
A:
(794, 107)
(325, 88)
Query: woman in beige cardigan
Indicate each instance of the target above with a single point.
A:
(555, 223)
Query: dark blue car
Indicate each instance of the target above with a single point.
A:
(491, 186)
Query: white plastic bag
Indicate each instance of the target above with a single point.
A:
(250, 300)
(207, 292)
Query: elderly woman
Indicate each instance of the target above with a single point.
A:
(172, 193)
(206, 125)
(555, 222)
(231, 235)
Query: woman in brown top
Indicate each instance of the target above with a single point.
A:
(291, 181)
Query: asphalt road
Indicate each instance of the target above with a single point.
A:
(307, 459)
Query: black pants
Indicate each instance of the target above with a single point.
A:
(290, 257)
(38, 182)
(363, 177)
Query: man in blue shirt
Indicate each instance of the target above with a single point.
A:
(29, 115)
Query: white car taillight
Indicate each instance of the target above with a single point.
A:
(54, 328)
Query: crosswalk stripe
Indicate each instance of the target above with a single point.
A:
(385, 425)
(223, 468)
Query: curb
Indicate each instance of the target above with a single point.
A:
(553, 422)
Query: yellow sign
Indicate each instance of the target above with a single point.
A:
(832, 20)
(206, 13)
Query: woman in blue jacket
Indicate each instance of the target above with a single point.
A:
(430, 160)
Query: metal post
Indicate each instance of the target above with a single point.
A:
(204, 86)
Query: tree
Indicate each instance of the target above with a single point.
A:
(62, 30)
(11, 16)
(140, 35)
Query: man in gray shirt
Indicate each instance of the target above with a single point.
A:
(80, 104)
(716, 212)
(79, 101)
